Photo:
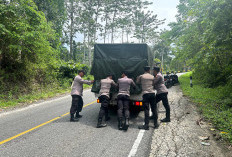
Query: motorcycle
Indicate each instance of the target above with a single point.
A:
(167, 81)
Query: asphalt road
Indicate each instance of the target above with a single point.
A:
(63, 138)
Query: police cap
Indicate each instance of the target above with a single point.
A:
(147, 68)
(157, 69)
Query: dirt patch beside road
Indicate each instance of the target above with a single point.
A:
(186, 135)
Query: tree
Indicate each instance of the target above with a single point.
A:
(108, 19)
(72, 24)
(202, 39)
(26, 49)
(54, 11)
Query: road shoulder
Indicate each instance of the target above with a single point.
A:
(183, 136)
(24, 106)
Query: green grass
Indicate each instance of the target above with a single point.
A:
(9, 100)
(214, 103)
(30, 98)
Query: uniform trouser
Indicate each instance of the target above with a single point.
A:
(150, 99)
(104, 106)
(123, 104)
(77, 104)
(164, 98)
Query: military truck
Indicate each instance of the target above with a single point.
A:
(115, 58)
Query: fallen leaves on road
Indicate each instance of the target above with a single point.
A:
(199, 122)
(203, 137)
(212, 129)
(230, 147)
(205, 144)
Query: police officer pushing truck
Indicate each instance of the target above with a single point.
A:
(123, 99)
(132, 58)
(147, 82)
(76, 93)
(104, 98)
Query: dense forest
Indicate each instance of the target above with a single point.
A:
(44, 42)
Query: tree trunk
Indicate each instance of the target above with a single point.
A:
(127, 36)
(84, 48)
(105, 29)
(112, 35)
(112, 29)
(122, 34)
(109, 38)
(96, 18)
(89, 50)
(143, 33)
(71, 30)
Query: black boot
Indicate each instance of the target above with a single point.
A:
(78, 115)
(165, 120)
(72, 119)
(156, 125)
(120, 124)
(107, 118)
(151, 117)
(144, 127)
(126, 125)
(100, 124)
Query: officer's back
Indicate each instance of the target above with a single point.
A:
(106, 85)
(146, 81)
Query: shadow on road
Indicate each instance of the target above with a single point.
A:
(90, 118)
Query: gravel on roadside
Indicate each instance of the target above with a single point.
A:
(186, 135)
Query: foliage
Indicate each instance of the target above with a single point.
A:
(108, 19)
(202, 39)
(33, 96)
(215, 103)
(38, 47)
(26, 51)
(70, 69)
(157, 61)
(163, 53)
(44, 93)
(54, 11)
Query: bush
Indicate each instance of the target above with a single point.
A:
(214, 103)
(70, 69)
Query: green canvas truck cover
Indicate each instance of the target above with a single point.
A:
(115, 58)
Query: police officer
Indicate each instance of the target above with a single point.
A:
(123, 100)
(105, 99)
(147, 80)
(162, 92)
(76, 93)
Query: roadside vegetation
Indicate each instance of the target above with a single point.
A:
(44, 43)
(17, 94)
(214, 103)
(201, 41)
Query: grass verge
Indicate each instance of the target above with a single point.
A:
(214, 103)
(9, 100)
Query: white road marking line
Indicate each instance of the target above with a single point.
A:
(136, 143)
